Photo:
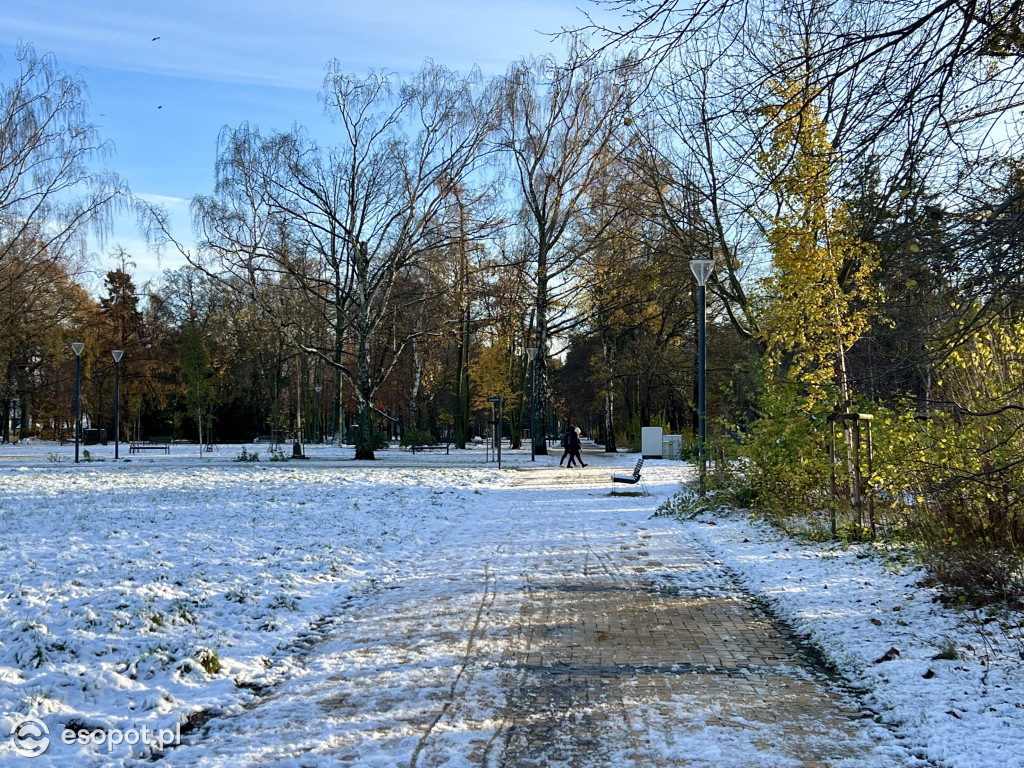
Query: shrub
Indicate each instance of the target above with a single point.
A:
(246, 456)
(953, 486)
(786, 460)
(417, 437)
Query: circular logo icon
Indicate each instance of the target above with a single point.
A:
(30, 737)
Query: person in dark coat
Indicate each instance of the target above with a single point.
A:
(565, 444)
(575, 446)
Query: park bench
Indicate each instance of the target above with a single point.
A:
(150, 444)
(634, 478)
(444, 448)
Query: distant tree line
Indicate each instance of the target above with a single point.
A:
(854, 169)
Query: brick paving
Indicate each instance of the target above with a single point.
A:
(624, 657)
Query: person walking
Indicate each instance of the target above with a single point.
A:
(575, 446)
(565, 444)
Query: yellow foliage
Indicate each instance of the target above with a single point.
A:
(818, 297)
(494, 373)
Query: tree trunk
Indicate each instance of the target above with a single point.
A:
(417, 378)
(199, 418)
(540, 366)
(364, 441)
(609, 402)
(519, 414)
(462, 384)
(338, 417)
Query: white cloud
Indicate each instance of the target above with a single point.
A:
(167, 201)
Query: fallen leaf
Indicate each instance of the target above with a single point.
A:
(892, 653)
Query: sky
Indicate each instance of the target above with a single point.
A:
(165, 77)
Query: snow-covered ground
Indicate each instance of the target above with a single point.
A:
(154, 592)
(887, 633)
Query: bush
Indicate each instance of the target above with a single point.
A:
(417, 437)
(953, 487)
(787, 465)
(245, 456)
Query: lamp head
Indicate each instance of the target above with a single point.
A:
(702, 269)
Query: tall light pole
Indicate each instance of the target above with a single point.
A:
(532, 352)
(316, 426)
(117, 353)
(77, 347)
(702, 269)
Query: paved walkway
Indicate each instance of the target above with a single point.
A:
(630, 657)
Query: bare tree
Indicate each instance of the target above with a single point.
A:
(560, 129)
(51, 197)
(345, 223)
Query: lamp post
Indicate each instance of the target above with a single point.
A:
(316, 426)
(532, 352)
(77, 347)
(116, 354)
(702, 269)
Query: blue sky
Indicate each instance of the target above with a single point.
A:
(221, 62)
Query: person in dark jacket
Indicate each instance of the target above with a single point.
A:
(565, 444)
(575, 446)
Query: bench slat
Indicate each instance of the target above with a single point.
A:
(446, 447)
(631, 479)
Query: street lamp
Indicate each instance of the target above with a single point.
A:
(117, 354)
(316, 427)
(78, 347)
(532, 352)
(702, 269)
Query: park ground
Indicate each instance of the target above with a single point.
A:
(431, 610)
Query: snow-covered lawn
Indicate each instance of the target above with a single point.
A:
(140, 594)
